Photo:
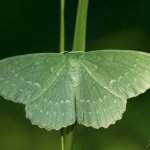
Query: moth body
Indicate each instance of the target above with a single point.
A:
(74, 68)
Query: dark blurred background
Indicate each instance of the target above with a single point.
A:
(31, 26)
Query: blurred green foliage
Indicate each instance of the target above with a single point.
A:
(33, 26)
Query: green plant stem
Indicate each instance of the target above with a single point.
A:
(67, 133)
(80, 27)
(62, 47)
(67, 136)
(62, 139)
(62, 26)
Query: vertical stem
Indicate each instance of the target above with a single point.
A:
(80, 27)
(62, 139)
(67, 136)
(62, 47)
(62, 26)
(67, 133)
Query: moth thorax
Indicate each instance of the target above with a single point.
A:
(74, 71)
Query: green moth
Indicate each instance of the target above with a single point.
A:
(59, 89)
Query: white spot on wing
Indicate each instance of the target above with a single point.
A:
(29, 82)
(112, 81)
(44, 90)
(75, 78)
(21, 79)
(106, 87)
(115, 101)
(36, 105)
(82, 101)
(21, 90)
(62, 102)
(136, 59)
(134, 65)
(121, 77)
(105, 97)
(14, 85)
(45, 99)
(67, 101)
(37, 84)
(141, 75)
(1, 79)
(105, 110)
(16, 75)
(109, 107)
(95, 67)
(56, 103)
(52, 70)
(129, 85)
(94, 101)
(100, 100)
(89, 113)
(57, 74)
(126, 73)
(146, 72)
(131, 69)
(7, 82)
(87, 101)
